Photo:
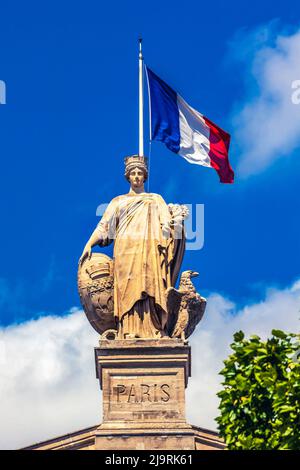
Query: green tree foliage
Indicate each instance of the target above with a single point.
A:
(260, 402)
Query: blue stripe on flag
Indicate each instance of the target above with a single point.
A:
(164, 112)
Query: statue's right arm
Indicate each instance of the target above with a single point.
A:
(103, 233)
(94, 239)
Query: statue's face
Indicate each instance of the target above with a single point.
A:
(136, 177)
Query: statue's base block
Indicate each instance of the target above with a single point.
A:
(143, 383)
(143, 441)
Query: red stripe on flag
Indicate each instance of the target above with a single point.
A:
(218, 153)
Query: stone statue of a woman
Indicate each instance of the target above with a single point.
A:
(148, 252)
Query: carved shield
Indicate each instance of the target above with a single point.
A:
(95, 287)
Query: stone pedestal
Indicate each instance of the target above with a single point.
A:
(143, 383)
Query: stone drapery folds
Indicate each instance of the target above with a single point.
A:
(148, 252)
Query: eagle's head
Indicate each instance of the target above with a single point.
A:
(189, 273)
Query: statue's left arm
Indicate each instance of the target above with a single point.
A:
(165, 216)
(172, 222)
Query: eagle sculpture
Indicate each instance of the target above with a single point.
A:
(185, 307)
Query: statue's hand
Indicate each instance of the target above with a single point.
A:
(184, 211)
(178, 211)
(166, 230)
(86, 254)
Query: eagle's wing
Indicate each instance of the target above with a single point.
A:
(196, 308)
(173, 305)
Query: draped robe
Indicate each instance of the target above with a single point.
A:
(146, 261)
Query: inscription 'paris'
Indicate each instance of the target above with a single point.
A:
(142, 393)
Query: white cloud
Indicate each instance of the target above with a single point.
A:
(267, 122)
(48, 384)
(211, 343)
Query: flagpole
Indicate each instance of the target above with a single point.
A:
(141, 101)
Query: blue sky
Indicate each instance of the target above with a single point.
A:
(71, 116)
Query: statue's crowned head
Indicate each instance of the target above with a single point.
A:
(135, 161)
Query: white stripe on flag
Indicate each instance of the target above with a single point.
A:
(194, 135)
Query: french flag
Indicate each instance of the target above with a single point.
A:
(185, 131)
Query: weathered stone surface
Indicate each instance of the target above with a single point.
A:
(149, 243)
(85, 440)
(77, 440)
(143, 383)
(95, 287)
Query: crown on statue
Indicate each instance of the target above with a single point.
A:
(136, 161)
